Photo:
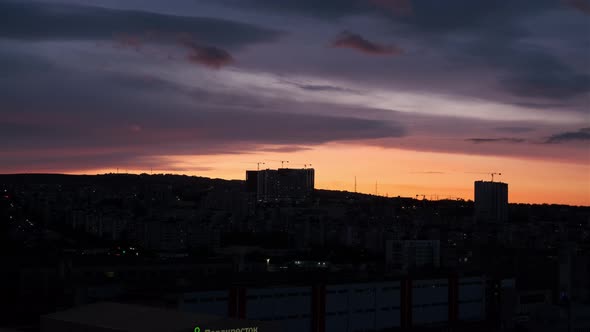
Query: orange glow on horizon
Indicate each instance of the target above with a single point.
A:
(399, 172)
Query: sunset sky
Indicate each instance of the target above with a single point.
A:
(420, 97)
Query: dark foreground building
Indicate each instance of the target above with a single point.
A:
(491, 202)
(105, 317)
(281, 184)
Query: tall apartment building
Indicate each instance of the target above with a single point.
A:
(281, 184)
(491, 201)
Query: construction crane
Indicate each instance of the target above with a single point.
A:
(304, 165)
(257, 164)
(488, 173)
(492, 174)
(281, 161)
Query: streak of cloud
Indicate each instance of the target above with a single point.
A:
(581, 135)
(496, 140)
(515, 129)
(44, 21)
(354, 41)
(397, 7)
(209, 56)
(581, 5)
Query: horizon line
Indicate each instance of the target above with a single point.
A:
(455, 198)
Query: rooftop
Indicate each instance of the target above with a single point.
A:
(135, 318)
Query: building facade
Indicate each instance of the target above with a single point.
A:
(281, 184)
(360, 306)
(408, 255)
(491, 201)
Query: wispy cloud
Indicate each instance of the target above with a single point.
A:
(209, 56)
(581, 5)
(312, 87)
(128, 41)
(570, 136)
(351, 40)
(496, 140)
(321, 87)
(515, 129)
(43, 21)
(397, 7)
(284, 148)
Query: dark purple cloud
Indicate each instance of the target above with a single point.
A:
(284, 148)
(511, 52)
(515, 129)
(129, 41)
(397, 7)
(519, 45)
(581, 5)
(131, 130)
(43, 21)
(551, 81)
(328, 9)
(581, 135)
(316, 87)
(84, 126)
(206, 55)
(351, 40)
(496, 140)
(427, 15)
(322, 87)
(563, 153)
(72, 160)
(49, 127)
(209, 56)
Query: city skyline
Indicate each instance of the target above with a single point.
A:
(355, 186)
(295, 165)
(415, 96)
